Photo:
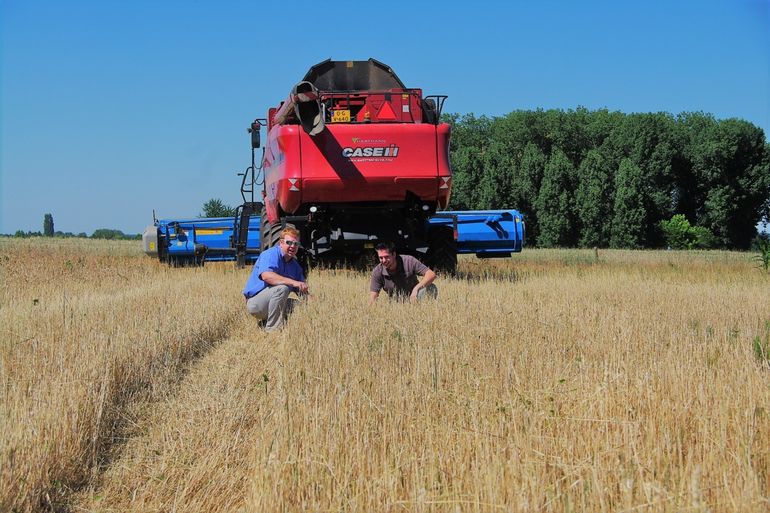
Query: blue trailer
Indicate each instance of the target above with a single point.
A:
(485, 233)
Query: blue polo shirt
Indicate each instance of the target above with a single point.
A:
(272, 260)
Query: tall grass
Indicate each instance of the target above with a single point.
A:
(553, 381)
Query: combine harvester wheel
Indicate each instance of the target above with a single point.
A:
(442, 250)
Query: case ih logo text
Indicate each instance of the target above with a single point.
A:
(370, 151)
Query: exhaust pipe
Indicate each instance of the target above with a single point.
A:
(304, 105)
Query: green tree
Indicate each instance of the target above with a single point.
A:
(496, 187)
(215, 207)
(555, 203)
(652, 143)
(629, 220)
(716, 173)
(526, 188)
(470, 139)
(48, 230)
(594, 200)
(731, 170)
(568, 132)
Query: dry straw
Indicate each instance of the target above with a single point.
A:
(551, 381)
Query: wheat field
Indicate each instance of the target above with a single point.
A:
(555, 380)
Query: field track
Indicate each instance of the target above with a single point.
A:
(552, 381)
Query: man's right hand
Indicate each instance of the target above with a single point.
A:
(301, 286)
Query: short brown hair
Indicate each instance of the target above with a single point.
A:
(290, 229)
(388, 246)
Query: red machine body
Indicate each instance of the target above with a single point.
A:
(354, 163)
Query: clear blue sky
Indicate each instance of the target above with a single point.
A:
(111, 109)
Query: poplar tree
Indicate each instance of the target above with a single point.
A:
(48, 230)
(594, 198)
(629, 220)
(555, 203)
(527, 189)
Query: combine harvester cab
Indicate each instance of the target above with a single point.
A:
(182, 242)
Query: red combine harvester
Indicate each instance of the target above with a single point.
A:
(353, 157)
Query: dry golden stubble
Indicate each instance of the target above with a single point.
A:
(548, 382)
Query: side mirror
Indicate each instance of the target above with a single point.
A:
(254, 131)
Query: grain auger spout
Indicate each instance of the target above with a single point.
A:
(303, 105)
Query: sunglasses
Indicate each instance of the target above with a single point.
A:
(291, 243)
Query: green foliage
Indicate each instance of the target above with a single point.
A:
(594, 200)
(106, 233)
(630, 215)
(215, 207)
(23, 235)
(468, 145)
(705, 239)
(103, 233)
(730, 165)
(48, 225)
(678, 233)
(714, 172)
(763, 258)
(555, 203)
(497, 181)
(527, 186)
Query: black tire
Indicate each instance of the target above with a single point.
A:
(442, 250)
(269, 233)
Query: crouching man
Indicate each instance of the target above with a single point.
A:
(402, 276)
(276, 273)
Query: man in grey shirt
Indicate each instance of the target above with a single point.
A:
(402, 276)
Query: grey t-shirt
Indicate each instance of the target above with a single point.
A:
(402, 280)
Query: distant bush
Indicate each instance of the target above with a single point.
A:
(22, 234)
(680, 234)
(106, 233)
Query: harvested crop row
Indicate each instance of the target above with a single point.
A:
(78, 352)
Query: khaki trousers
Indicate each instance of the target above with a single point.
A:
(271, 305)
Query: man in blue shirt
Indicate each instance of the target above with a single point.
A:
(276, 273)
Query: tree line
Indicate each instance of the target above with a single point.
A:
(214, 207)
(101, 233)
(608, 179)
